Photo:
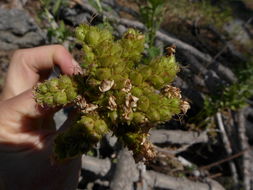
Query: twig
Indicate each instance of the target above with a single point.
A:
(215, 175)
(223, 160)
(220, 52)
(227, 145)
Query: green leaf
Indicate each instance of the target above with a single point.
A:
(56, 7)
(153, 52)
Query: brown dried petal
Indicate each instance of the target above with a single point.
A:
(81, 102)
(172, 92)
(131, 101)
(150, 152)
(90, 107)
(127, 86)
(140, 37)
(147, 150)
(112, 103)
(171, 50)
(84, 106)
(184, 106)
(127, 112)
(106, 85)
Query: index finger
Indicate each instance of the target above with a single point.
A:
(28, 66)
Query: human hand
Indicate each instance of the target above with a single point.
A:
(26, 131)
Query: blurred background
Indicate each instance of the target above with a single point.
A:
(210, 147)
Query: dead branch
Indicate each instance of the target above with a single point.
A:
(99, 167)
(153, 179)
(177, 137)
(247, 176)
(172, 183)
(127, 10)
(227, 44)
(169, 151)
(227, 145)
(184, 46)
(223, 133)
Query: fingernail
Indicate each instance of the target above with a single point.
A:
(76, 67)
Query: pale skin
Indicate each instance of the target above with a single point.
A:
(27, 132)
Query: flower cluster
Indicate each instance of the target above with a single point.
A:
(56, 92)
(116, 92)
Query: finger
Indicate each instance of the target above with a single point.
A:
(28, 66)
(21, 120)
(22, 110)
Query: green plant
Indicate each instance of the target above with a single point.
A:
(97, 5)
(100, 9)
(56, 29)
(152, 13)
(235, 96)
(115, 92)
(231, 97)
(60, 33)
(53, 6)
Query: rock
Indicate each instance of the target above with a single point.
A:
(121, 29)
(198, 81)
(82, 18)
(59, 118)
(18, 30)
(112, 140)
(4, 60)
(236, 29)
(109, 2)
(223, 72)
(189, 90)
(213, 82)
(75, 16)
(126, 172)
